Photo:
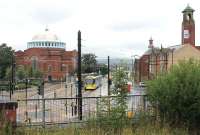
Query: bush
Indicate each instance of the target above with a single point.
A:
(21, 86)
(111, 115)
(176, 94)
(35, 82)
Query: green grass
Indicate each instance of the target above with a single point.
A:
(147, 129)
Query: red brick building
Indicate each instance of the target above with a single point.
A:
(46, 53)
(188, 26)
(157, 60)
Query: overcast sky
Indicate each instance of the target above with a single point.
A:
(118, 28)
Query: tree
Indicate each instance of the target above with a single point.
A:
(21, 73)
(6, 54)
(176, 94)
(103, 69)
(89, 63)
(8, 73)
(37, 74)
(29, 71)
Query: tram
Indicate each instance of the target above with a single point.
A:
(92, 82)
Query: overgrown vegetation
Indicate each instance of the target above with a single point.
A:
(6, 127)
(145, 129)
(176, 95)
(111, 112)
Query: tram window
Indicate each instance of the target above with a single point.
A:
(88, 81)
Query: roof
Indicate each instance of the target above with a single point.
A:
(175, 47)
(45, 36)
(188, 9)
(150, 50)
(157, 50)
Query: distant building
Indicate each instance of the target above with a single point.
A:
(158, 60)
(46, 53)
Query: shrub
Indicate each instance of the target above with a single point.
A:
(176, 94)
(111, 111)
(19, 86)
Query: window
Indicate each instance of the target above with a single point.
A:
(34, 62)
(49, 68)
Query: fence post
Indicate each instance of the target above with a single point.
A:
(43, 110)
(66, 89)
(66, 107)
(144, 102)
(36, 112)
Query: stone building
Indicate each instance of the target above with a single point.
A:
(46, 53)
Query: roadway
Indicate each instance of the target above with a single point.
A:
(65, 110)
(57, 110)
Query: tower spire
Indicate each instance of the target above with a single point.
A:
(188, 26)
(46, 29)
(150, 43)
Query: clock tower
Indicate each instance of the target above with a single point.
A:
(188, 26)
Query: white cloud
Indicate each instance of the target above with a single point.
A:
(119, 28)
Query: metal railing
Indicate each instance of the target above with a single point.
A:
(65, 110)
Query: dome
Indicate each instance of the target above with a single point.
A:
(188, 9)
(46, 40)
(45, 36)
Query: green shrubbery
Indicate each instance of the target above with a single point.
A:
(21, 86)
(111, 115)
(146, 129)
(176, 94)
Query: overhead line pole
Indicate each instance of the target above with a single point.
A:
(109, 76)
(12, 80)
(79, 77)
(109, 82)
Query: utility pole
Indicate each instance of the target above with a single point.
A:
(13, 73)
(109, 76)
(140, 68)
(12, 81)
(79, 77)
(109, 82)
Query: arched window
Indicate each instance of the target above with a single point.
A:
(49, 68)
(34, 60)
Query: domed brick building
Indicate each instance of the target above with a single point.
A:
(46, 53)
